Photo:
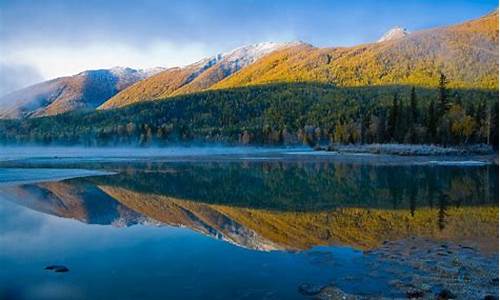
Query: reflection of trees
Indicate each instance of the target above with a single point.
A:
(461, 189)
(413, 204)
(443, 203)
(258, 228)
(430, 189)
(307, 186)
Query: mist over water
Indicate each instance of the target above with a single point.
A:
(70, 154)
(10, 153)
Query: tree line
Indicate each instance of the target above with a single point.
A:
(293, 113)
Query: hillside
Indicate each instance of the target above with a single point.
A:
(438, 86)
(467, 53)
(83, 91)
(277, 114)
(195, 77)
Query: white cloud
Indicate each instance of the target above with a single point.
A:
(16, 76)
(53, 61)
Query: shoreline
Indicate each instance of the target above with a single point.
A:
(18, 176)
(103, 158)
(410, 149)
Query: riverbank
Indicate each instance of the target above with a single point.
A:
(410, 150)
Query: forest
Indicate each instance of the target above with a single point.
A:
(279, 114)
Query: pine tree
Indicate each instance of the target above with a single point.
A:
(381, 127)
(431, 122)
(394, 118)
(365, 117)
(413, 116)
(443, 95)
(401, 122)
(492, 138)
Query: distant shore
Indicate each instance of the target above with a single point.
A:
(410, 150)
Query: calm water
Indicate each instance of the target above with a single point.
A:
(226, 226)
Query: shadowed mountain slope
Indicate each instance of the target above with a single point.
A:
(83, 91)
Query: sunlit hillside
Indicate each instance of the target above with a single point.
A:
(467, 53)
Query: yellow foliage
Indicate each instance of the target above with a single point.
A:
(467, 53)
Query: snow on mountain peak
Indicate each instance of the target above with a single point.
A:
(126, 71)
(393, 34)
(238, 58)
(252, 52)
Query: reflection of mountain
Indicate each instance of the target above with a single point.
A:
(291, 206)
(357, 227)
(200, 217)
(83, 202)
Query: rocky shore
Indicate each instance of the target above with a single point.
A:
(425, 269)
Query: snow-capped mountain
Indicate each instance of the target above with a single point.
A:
(243, 56)
(118, 86)
(394, 34)
(85, 90)
(195, 77)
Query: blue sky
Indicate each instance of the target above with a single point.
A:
(46, 39)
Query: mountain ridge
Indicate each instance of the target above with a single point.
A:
(416, 58)
(194, 77)
(467, 53)
(85, 90)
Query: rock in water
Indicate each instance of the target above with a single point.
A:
(415, 294)
(445, 295)
(57, 268)
(307, 289)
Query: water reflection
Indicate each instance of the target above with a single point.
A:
(261, 205)
(284, 205)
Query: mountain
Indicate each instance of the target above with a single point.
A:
(85, 90)
(195, 77)
(296, 93)
(394, 34)
(466, 53)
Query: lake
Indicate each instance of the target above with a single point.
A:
(236, 223)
